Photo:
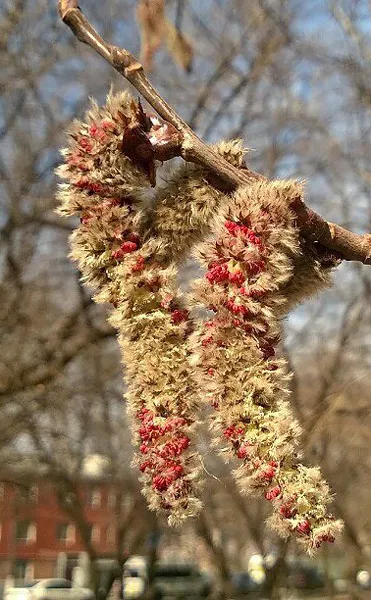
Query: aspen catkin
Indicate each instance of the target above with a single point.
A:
(249, 263)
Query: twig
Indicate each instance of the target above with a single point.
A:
(347, 245)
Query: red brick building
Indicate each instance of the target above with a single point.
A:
(34, 529)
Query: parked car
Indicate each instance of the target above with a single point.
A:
(179, 581)
(48, 589)
(135, 578)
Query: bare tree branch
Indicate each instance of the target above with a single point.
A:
(348, 245)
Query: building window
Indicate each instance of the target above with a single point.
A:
(111, 535)
(95, 534)
(66, 533)
(94, 498)
(25, 531)
(29, 574)
(19, 569)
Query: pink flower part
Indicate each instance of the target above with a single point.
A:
(161, 450)
(76, 160)
(124, 249)
(217, 273)
(172, 472)
(97, 132)
(139, 265)
(174, 447)
(287, 510)
(273, 493)
(238, 277)
(236, 229)
(108, 126)
(304, 528)
(86, 144)
(206, 341)
(233, 432)
(243, 451)
(179, 316)
(237, 309)
(267, 473)
(96, 188)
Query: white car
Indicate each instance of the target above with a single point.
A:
(48, 589)
(135, 578)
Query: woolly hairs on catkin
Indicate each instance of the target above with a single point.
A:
(249, 284)
(104, 188)
(185, 206)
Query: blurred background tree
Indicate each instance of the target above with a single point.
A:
(292, 79)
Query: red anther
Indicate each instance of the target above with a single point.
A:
(86, 144)
(243, 451)
(108, 125)
(304, 528)
(125, 248)
(287, 511)
(272, 367)
(237, 277)
(139, 265)
(178, 316)
(232, 431)
(217, 274)
(237, 322)
(133, 237)
(267, 473)
(85, 184)
(237, 309)
(97, 132)
(273, 493)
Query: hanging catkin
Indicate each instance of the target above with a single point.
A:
(104, 188)
(250, 265)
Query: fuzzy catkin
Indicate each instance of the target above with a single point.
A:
(311, 273)
(185, 206)
(251, 265)
(258, 267)
(104, 188)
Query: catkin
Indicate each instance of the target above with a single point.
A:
(251, 265)
(105, 189)
(185, 206)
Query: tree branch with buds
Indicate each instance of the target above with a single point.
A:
(175, 138)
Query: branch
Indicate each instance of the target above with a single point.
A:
(346, 245)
